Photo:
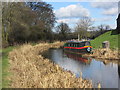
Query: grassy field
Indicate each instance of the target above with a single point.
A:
(5, 65)
(108, 36)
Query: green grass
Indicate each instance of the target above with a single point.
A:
(0, 50)
(0, 73)
(5, 66)
(113, 39)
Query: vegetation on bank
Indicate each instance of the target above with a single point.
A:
(35, 21)
(108, 36)
(26, 22)
(5, 65)
(20, 24)
(31, 70)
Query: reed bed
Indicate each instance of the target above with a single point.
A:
(105, 53)
(30, 70)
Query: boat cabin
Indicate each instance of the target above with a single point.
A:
(78, 46)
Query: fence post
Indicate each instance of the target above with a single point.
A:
(106, 44)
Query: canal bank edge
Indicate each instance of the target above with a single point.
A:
(30, 70)
(105, 54)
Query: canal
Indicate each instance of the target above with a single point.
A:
(107, 74)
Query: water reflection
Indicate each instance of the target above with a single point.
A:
(119, 70)
(78, 57)
(106, 62)
(119, 76)
(97, 71)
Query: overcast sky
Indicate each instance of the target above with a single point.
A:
(100, 12)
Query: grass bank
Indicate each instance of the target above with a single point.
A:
(103, 53)
(5, 65)
(30, 70)
(108, 36)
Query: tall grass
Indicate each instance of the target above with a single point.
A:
(31, 70)
(5, 64)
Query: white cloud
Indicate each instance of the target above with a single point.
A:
(68, 21)
(113, 26)
(109, 8)
(111, 11)
(60, 0)
(81, 0)
(102, 0)
(104, 5)
(72, 11)
(103, 19)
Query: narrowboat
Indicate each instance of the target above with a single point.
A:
(78, 46)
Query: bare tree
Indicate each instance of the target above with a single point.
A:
(63, 30)
(82, 26)
(103, 27)
(107, 27)
(84, 23)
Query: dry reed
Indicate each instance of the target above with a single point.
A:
(105, 53)
(30, 70)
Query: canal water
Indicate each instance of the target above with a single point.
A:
(107, 74)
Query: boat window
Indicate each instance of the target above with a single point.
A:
(74, 45)
(77, 44)
(81, 44)
(68, 44)
(87, 43)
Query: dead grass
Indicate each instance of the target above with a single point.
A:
(106, 53)
(30, 70)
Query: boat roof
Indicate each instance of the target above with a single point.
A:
(75, 41)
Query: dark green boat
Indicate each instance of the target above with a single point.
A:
(78, 46)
